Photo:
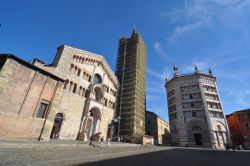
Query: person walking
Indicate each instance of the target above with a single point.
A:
(101, 141)
(108, 142)
(91, 140)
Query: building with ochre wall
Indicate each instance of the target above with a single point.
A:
(195, 112)
(158, 128)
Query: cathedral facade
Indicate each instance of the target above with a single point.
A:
(84, 104)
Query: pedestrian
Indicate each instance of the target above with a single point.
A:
(108, 142)
(91, 140)
(101, 141)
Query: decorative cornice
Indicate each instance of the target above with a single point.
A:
(98, 57)
(190, 76)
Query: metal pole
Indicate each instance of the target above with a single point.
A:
(120, 107)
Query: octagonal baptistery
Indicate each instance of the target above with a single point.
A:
(87, 102)
(195, 111)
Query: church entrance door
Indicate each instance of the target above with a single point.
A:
(198, 139)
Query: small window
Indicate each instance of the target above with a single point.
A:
(247, 126)
(42, 110)
(219, 128)
(194, 114)
(192, 105)
(75, 87)
(79, 72)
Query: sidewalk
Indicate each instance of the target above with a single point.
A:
(55, 144)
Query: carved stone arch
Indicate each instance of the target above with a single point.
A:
(196, 130)
(58, 122)
(97, 79)
(223, 125)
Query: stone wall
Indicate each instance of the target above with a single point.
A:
(22, 88)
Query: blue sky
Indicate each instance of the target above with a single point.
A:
(209, 33)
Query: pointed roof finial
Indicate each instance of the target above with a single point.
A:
(175, 70)
(196, 69)
(210, 72)
(134, 30)
(166, 81)
(175, 67)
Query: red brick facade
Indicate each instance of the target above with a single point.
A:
(24, 91)
(239, 126)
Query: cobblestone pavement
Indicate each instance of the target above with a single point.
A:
(65, 156)
(122, 156)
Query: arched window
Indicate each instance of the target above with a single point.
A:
(106, 102)
(70, 86)
(79, 72)
(98, 94)
(71, 67)
(84, 75)
(80, 91)
(97, 79)
(87, 94)
(75, 69)
(83, 92)
(66, 84)
(74, 57)
(89, 78)
(75, 88)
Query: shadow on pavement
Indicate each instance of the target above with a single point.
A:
(179, 157)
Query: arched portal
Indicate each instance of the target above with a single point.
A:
(57, 126)
(197, 133)
(92, 122)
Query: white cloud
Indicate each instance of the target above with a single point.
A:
(161, 76)
(181, 30)
(205, 64)
(240, 98)
(196, 14)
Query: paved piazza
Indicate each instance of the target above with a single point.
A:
(123, 156)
